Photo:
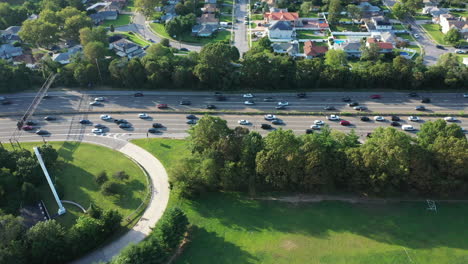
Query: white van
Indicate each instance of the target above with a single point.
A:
(407, 127)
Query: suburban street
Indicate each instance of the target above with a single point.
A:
(240, 29)
(124, 101)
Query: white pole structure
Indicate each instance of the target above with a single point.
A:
(61, 209)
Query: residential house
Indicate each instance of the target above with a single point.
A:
(8, 51)
(209, 9)
(465, 61)
(291, 48)
(210, 1)
(312, 50)
(352, 49)
(433, 3)
(448, 21)
(118, 3)
(205, 30)
(388, 36)
(275, 9)
(271, 17)
(208, 19)
(126, 48)
(367, 7)
(98, 6)
(312, 24)
(10, 35)
(65, 57)
(281, 30)
(377, 24)
(99, 17)
(385, 47)
(435, 11)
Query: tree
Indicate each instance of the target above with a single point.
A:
(101, 178)
(29, 170)
(265, 42)
(111, 220)
(39, 33)
(207, 133)
(29, 193)
(74, 24)
(335, 58)
(146, 7)
(172, 228)
(46, 242)
(452, 36)
(370, 53)
(431, 130)
(252, 145)
(334, 9)
(165, 42)
(12, 231)
(95, 34)
(94, 51)
(400, 10)
(174, 28)
(305, 8)
(111, 28)
(181, 9)
(49, 155)
(354, 12)
(94, 211)
(85, 234)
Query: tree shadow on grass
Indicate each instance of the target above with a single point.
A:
(406, 224)
(126, 198)
(67, 150)
(208, 247)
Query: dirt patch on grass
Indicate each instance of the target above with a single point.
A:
(288, 245)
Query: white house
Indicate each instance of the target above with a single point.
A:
(448, 21)
(126, 48)
(281, 30)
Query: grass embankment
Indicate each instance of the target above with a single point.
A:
(82, 162)
(231, 228)
(122, 20)
(436, 34)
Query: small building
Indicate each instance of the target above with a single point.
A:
(281, 30)
(208, 19)
(126, 48)
(205, 30)
(377, 24)
(8, 51)
(271, 17)
(435, 11)
(99, 17)
(65, 57)
(312, 50)
(352, 49)
(385, 47)
(290, 48)
(367, 7)
(10, 35)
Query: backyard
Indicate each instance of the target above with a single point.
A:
(222, 35)
(345, 28)
(82, 162)
(232, 228)
(302, 34)
(122, 20)
(435, 33)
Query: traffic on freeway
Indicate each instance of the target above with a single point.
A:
(68, 102)
(127, 126)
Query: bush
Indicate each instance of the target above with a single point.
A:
(101, 178)
(165, 42)
(121, 175)
(110, 188)
(29, 193)
(94, 211)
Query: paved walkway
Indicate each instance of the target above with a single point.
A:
(156, 205)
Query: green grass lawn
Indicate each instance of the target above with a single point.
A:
(257, 17)
(340, 37)
(82, 163)
(422, 17)
(135, 38)
(225, 18)
(354, 28)
(130, 6)
(436, 34)
(226, 9)
(231, 228)
(398, 27)
(460, 14)
(219, 36)
(160, 29)
(406, 36)
(301, 34)
(122, 20)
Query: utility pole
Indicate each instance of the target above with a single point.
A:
(99, 70)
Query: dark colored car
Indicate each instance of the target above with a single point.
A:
(138, 94)
(364, 118)
(301, 95)
(50, 118)
(185, 102)
(217, 94)
(280, 107)
(183, 49)
(99, 126)
(31, 123)
(420, 108)
(345, 123)
(210, 107)
(191, 121)
(395, 118)
(85, 121)
(266, 126)
(157, 125)
(413, 95)
(6, 102)
(153, 130)
(268, 99)
(309, 131)
(221, 98)
(329, 108)
(125, 125)
(346, 99)
(42, 132)
(162, 106)
(395, 123)
(426, 100)
(120, 121)
(440, 47)
(376, 96)
(27, 128)
(191, 117)
(353, 104)
(277, 122)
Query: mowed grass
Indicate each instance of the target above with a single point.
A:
(231, 228)
(122, 20)
(82, 163)
(436, 34)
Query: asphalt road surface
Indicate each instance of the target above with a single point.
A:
(67, 127)
(69, 102)
(240, 29)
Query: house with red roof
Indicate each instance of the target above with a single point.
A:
(282, 15)
(312, 50)
(385, 47)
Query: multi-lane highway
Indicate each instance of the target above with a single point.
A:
(68, 102)
(68, 126)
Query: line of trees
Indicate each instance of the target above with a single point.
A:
(162, 242)
(390, 162)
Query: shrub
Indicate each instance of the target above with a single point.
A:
(165, 42)
(94, 211)
(101, 178)
(110, 188)
(121, 175)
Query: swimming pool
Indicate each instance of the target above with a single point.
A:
(339, 41)
(404, 53)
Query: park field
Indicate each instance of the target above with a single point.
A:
(232, 228)
(81, 162)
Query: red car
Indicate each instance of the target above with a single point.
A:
(345, 123)
(27, 128)
(162, 106)
(375, 96)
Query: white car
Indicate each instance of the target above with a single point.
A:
(95, 103)
(319, 122)
(465, 95)
(414, 118)
(407, 127)
(416, 35)
(99, 99)
(97, 130)
(143, 116)
(270, 117)
(379, 118)
(450, 119)
(248, 96)
(333, 118)
(283, 103)
(249, 102)
(315, 127)
(106, 117)
(243, 122)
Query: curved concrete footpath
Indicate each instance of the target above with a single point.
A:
(156, 206)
